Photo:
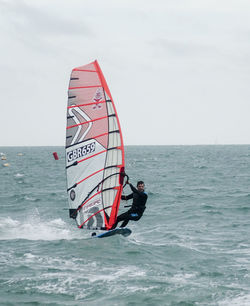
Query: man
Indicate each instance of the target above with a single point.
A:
(138, 206)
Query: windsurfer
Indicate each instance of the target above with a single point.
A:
(138, 206)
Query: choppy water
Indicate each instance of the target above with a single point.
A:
(190, 248)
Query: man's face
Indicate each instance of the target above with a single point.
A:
(140, 187)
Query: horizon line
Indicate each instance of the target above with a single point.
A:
(138, 145)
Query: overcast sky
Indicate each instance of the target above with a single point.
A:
(178, 70)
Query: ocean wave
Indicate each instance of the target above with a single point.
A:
(72, 276)
(201, 167)
(18, 175)
(33, 228)
(240, 300)
(17, 197)
(32, 199)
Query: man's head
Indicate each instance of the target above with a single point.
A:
(140, 185)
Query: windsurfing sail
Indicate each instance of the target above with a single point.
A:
(94, 150)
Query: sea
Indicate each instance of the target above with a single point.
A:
(191, 247)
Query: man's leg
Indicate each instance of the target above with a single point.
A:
(126, 217)
(123, 217)
(124, 223)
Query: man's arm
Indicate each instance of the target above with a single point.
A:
(141, 193)
(128, 197)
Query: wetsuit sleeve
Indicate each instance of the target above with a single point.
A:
(128, 197)
(133, 188)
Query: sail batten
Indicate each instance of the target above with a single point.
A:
(92, 103)
(94, 150)
(86, 122)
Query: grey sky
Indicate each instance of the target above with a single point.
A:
(178, 71)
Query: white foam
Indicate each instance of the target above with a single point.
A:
(241, 300)
(8, 222)
(29, 256)
(72, 274)
(53, 288)
(141, 289)
(57, 222)
(130, 271)
(33, 228)
(183, 278)
(19, 175)
(30, 198)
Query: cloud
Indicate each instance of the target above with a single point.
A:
(171, 65)
(40, 28)
(26, 17)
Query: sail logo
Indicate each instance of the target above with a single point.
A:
(90, 205)
(82, 117)
(72, 195)
(81, 152)
(97, 98)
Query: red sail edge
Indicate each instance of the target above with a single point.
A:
(115, 207)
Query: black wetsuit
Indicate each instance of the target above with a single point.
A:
(137, 208)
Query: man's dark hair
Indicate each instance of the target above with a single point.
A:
(139, 183)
